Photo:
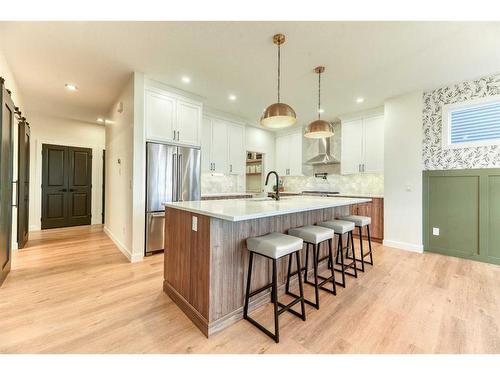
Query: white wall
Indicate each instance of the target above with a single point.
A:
(11, 84)
(53, 130)
(403, 172)
(119, 171)
(264, 141)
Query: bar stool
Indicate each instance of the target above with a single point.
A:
(314, 236)
(341, 227)
(360, 222)
(274, 246)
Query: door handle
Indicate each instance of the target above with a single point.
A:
(179, 177)
(174, 176)
(63, 190)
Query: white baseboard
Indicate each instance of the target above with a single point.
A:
(132, 258)
(404, 246)
(34, 228)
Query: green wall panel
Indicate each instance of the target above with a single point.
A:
(454, 202)
(494, 217)
(465, 206)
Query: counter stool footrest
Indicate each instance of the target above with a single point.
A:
(289, 308)
(260, 290)
(310, 303)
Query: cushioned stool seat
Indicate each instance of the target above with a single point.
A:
(312, 233)
(274, 245)
(359, 221)
(339, 226)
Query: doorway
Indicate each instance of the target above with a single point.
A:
(254, 172)
(66, 186)
(23, 183)
(7, 118)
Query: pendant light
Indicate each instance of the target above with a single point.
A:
(319, 128)
(278, 115)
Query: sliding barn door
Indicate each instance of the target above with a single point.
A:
(23, 193)
(66, 186)
(7, 117)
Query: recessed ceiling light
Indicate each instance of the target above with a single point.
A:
(186, 79)
(232, 97)
(100, 119)
(360, 100)
(321, 110)
(70, 87)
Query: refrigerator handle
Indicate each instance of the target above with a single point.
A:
(174, 177)
(179, 177)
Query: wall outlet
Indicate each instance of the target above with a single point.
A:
(435, 231)
(194, 225)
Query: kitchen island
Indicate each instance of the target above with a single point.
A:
(206, 259)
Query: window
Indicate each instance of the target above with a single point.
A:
(472, 123)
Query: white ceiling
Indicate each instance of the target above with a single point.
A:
(375, 60)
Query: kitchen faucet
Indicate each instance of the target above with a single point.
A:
(275, 195)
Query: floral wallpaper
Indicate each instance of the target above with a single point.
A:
(433, 155)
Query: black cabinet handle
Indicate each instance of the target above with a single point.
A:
(72, 190)
(64, 190)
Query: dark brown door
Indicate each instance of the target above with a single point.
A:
(7, 117)
(66, 186)
(23, 193)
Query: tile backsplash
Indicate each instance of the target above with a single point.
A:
(221, 183)
(363, 183)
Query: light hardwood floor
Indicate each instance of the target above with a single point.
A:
(72, 291)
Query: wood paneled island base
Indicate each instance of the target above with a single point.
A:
(205, 270)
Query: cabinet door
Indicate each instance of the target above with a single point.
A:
(159, 117)
(352, 147)
(188, 122)
(282, 155)
(219, 147)
(294, 154)
(206, 143)
(237, 151)
(373, 145)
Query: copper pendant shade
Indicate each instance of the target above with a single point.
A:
(278, 115)
(319, 128)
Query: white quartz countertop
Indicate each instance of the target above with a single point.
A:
(256, 208)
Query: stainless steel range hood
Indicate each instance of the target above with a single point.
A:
(324, 155)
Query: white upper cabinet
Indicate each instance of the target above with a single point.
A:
(219, 147)
(170, 117)
(223, 146)
(289, 154)
(352, 147)
(188, 122)
(159, 116)
(363, 145)
(374, 145)
(206, 144)
(237, 152)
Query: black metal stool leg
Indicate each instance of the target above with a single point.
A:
(361, 250)
(330, 260)
(340, 252)
(353, 254)
(275, 301)
(307, 263)
(316, 287)
(369, 245)
(301, 287)
(287, 285)
(249, 278)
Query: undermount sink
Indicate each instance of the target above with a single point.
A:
(263, 199)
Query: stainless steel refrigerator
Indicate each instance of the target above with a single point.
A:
(172, 175)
